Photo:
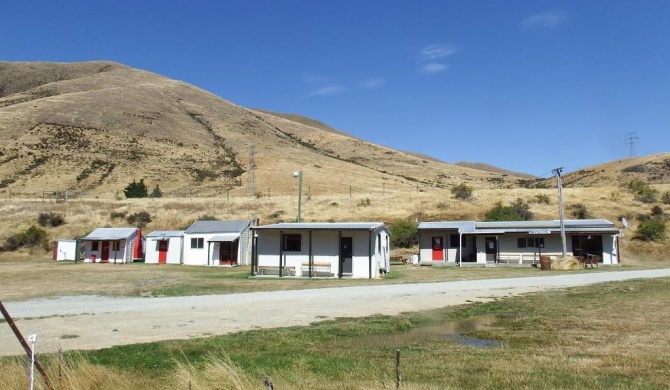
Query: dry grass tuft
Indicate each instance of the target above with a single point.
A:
(566, 264)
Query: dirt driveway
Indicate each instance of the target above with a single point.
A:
(91, 322)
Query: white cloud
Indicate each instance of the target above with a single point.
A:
(373, 83)
(327, 90)
(438, 50)
(549, 19)
(434, 67)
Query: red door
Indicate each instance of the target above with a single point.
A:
(104, 252)
(438, 246)
(162, 251)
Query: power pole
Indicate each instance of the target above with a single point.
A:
(631, 139)
(557, 172)
(251, 178)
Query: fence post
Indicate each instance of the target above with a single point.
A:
(397, 369)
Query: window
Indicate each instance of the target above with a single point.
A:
(94, 245)
(453, 240)
(530, 242)
(197, 243)
(292, 243)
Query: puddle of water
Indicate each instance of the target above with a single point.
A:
(454, 330)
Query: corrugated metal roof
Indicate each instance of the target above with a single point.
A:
(110, 234)
(532, 227)
(322, 226)
(165, 233)
(217, 227)
(464, 226)
(229, 237)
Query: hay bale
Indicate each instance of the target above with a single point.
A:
(566, 264)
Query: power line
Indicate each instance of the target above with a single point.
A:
(631, 139)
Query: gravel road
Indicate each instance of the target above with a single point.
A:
(91, 322)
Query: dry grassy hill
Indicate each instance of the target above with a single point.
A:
(94, 127)
(654, 169)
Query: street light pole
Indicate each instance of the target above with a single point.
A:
(558, 171)
(298, 174)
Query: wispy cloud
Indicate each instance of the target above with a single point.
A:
(432, 57)
(326, 91)
(438, 50)
(373, 83)
(320, 86)
(434, 67)
(549, 19)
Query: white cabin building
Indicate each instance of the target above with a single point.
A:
(164, 247)
(218, 243)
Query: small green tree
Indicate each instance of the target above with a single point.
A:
(156, 193)
(139, 219)
(29, 238)
(50, 219)
(404, 234)
(653, 229)
(136, 190)
(462, 191)
(516, 211)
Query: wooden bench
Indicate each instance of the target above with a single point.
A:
(317, 268)
(274, 270)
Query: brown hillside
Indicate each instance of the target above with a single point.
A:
(94, 127)
(654, 169)
(491, 168)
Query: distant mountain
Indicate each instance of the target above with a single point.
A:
(494, 169)
(96, 126)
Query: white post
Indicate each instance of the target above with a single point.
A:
(32, 338)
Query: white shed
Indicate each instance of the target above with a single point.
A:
(164, 247)
(65, 250)
(350, 249)
(113, 245)
(218, 243)
(516, 242)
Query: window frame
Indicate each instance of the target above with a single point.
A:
(197, 242)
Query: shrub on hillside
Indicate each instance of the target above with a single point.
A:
(642, 191)
(657, 211)
(579, 211)
(364, 202)
(542, 199)
(653, 229)
(50, 219)
(156, 193)
(665, 198)
(404, 234)
(29, 238)
(516, 211)
(139, 219)
(462, 191)
(117, 215)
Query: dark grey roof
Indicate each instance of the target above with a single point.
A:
(217, 227)
(538, 227)
(165, 233)
(323, 226)
(110, 234)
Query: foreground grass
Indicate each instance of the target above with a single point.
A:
(608, 336)
(34, 278)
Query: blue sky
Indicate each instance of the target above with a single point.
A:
(524, 85)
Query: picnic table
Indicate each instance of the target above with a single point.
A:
(399, 259)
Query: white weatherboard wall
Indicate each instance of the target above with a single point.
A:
(199, 256)
(173, 252)
(325, 249)
(66, 250)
